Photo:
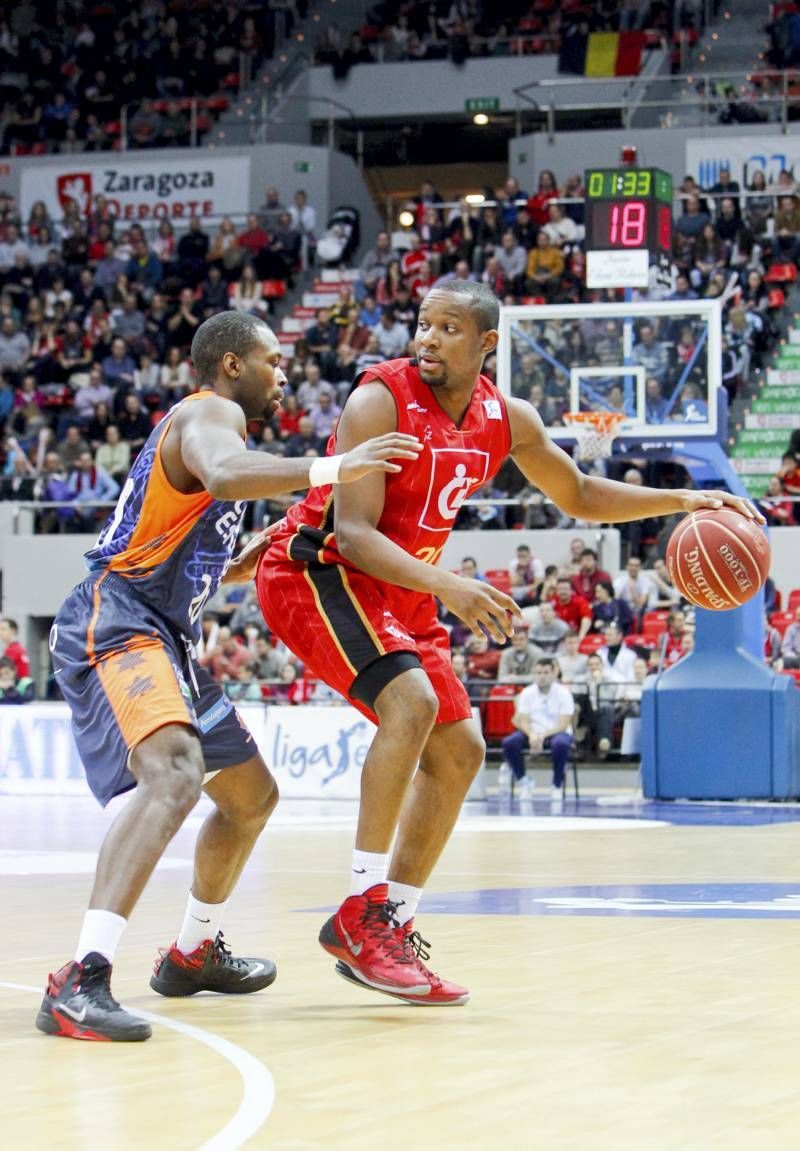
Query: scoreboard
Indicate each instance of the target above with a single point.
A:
(628, 225)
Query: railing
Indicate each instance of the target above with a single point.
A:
(691, 100)
(34, 507)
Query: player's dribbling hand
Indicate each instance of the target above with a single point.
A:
(696, 501)
(376, 455)
(482, 607)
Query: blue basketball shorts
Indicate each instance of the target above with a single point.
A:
(125, 673)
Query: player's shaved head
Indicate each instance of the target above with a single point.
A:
(226, 332)
(480, 298)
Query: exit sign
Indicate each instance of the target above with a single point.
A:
(482, 104)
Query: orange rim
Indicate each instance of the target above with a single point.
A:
(600, 421)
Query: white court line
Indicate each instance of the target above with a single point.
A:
(258, 1095)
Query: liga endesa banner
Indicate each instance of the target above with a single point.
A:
(314, 752)
(199, 184)
(743, 156)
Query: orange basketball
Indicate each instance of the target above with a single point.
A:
(718, 559)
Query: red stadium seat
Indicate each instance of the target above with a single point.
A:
(781, 274)
(499, 711)
(273, 289)
(654, 624)
(590, 643)
(499, 578)
(794, 599)
(781, 620)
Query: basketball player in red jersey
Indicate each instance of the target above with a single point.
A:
(349, 581)
(144, 714)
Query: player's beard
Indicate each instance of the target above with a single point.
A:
(437, 381)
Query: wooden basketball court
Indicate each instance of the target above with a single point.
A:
(633, 975)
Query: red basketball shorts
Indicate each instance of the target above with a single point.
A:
(339, 623)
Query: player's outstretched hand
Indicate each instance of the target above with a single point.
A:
(376, 455)
(481, 606)
(696, 501)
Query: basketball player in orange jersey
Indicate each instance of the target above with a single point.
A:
(144, 714)
(358, 568)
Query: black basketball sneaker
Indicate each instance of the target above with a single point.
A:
(211, 967)
(78, 1004)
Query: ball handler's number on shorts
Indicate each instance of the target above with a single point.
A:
(429, 555)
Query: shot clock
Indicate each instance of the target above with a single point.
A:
(628, 225)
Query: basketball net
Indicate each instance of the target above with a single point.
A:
(595, 432)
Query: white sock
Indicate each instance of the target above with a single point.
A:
(201, 922)
(368, 868)
(406, 898)
(101, 932)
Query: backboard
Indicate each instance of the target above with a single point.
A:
(658, 362)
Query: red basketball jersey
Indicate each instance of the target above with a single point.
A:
(423, 500)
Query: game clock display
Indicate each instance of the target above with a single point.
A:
(628, 208)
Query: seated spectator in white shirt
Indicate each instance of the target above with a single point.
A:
(543, 718)
(632, 585)
(617, 658)
(560, 228)
(666, 595)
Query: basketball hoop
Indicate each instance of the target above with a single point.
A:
(595, 432)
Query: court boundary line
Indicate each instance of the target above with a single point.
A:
(258, 1093)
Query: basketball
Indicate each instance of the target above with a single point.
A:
(718, 559)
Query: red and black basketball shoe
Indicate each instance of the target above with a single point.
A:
(441, 993)
(211, 967)
(365, 938)
(78, 1004)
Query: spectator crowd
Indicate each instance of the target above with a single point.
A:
(457, 30)
(67, 68)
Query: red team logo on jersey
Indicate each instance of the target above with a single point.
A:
(455, 472)
(75, 188)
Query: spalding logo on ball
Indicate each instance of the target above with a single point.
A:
(718, 559)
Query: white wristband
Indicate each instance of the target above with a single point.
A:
(324, 470)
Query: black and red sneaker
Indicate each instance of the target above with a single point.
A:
(78, 1004)
(210, 967)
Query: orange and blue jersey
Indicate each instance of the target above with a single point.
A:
(172, 548)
